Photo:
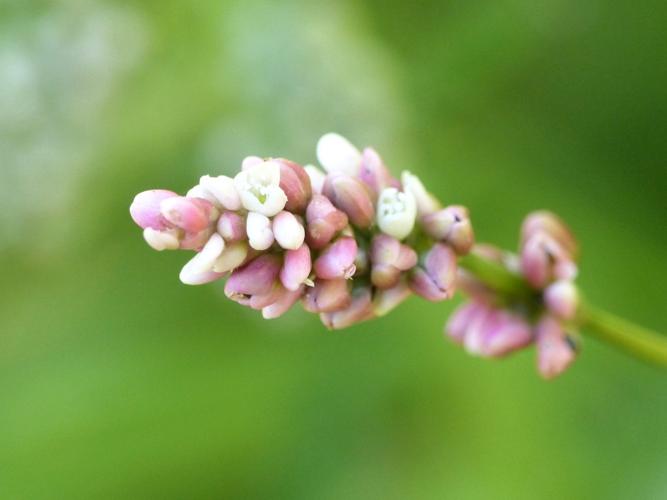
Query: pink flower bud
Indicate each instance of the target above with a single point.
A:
(351, 196)
(562, 299)
(451, 225)
(288, 231)
(462, 318)
(435, 281)
(258, 228)
(360, 309)
(296, 268)
(504, 333)
(231, 226)
(426, 202)
(145, 209)
(223, 190)
(255, 278)
(541, 256)
(324, 221)
(336, 154)
(260, 301)
(168, 239)
(195, 241)
(295, 183)
(327, 296)
(554, 351)
(190, 214)
(317, 178)
(543, 221)
(374, 173)
(286, 299)
(388, 299)
(337, 260)
(199, 269)
(390, 258)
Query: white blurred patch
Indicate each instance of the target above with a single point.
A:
(57, 72)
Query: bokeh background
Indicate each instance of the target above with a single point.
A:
(116, 381)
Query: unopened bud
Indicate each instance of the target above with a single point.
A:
(396, 212)
(250, 161)
(351, 196)
(390, 258)
(286, 299)
(167, 239)
(336, 154)
(232, 227)
(258, 228)
(360, 309)
(145, 209)
(337, 260)
(388, 299)
(317, 178)
(551, 224)
(296, 268)
(199, 269)
(435, 280)
(543, 259)
(426, 202)
(324, 221)
(504, 333)
(255, 278)
(451, 225)
(562, 299)
(327, 296)
(462, 318)
(295, 183)
(288, 231)
(234, 255)
(554, 352)
(374, 173)
(190, 214)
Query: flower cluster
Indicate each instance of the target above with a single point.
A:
(492, 324)
(349, 241)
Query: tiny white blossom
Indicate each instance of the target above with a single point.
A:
(223, 191)
(396, 212)
(336, 154)
(258, 228)
(259, 188)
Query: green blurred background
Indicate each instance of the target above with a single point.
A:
(116, 381)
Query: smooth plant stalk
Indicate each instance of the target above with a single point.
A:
(633, 339)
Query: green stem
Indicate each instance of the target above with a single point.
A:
(633, 339)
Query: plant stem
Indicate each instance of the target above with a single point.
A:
(633, 339)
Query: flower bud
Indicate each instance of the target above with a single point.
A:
(258, 228)
(286, 300)
(543, 221)
(195, 241)
(168, 239)
(337, 260)
(473, 339)
(554, 351)
(145, 209)
(451, 225)
(259, 188)
(360, 309)
(542, 258)
(388, 299)
(199, 192)
(295, 183)
(296, 268)
(324, 221)
(231, 226)
(374, 173)
(435, 280)
(327, 296)
(288, 231)
(390, 258)
(251, 161)
(255, 278)
(223, 190)
(396, 212)
(199, 269)
(351, 196)
(317, 178)
(336, 154)
(462, 318)
(504, 333)
(190, 214)
(562, 299)
(426, 202)
(233, 256)
(260, 301)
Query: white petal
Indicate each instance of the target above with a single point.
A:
(232, 257)
(223, 190)
(336, 154)
(426, 202)
(199, 192)
(288, 231)
(161, 240)
(258, 227)
(317, 178)
(396, 212)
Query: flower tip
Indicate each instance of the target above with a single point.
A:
(336, 154)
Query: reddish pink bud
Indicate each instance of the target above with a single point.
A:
(145, 209)
(351, 196)
(232, 227)
(390, 257)
(562, 299)
(255, 278)
(327, 296)
(296, 268)
(541, 257)
(435, 280)
(195, 241)
(554, 351)
(337, 260)
(190, 214)
(360, 309)
(543, 221)
(473, 339)
(295, 183)
(374, 173)
(451, 225)
(286, 300)
(462, 318)
(503, 334)
(260, 301)
(324, 221)
(387, 300)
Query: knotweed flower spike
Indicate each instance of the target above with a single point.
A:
(351, 242)
(493, 324)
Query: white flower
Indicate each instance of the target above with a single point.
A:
(232, 257)
(199, 269)
(336, 154)
(288, 231)
(317, 178)
(426, 202)
(396, 212)
(259, 188)
(258, 227)
(222, 189)
(161, 240)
